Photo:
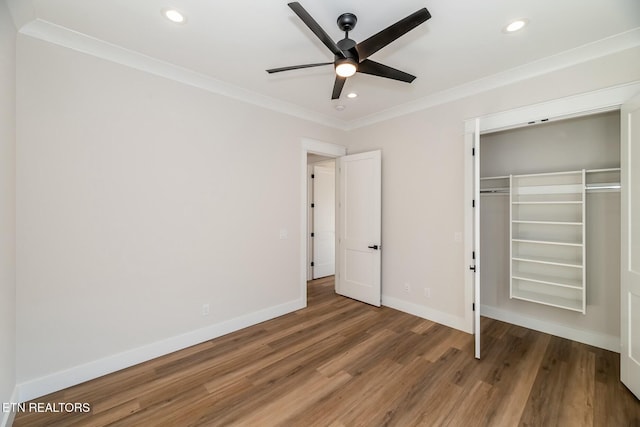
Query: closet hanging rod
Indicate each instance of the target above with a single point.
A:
(602, 187)
(602, 170)
(494, 177)
(494, 191)
(587, 187)
(586, 171)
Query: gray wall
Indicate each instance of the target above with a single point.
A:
(7, 204)
(140, 200)
(591, 142)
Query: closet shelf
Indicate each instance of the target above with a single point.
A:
(589, 188)
(587, 173)
(551, 300)
(549, 189)
(546, 242)
(547, 261)
(520, 221)
(549, 280)
(550, 202)
(608, 180)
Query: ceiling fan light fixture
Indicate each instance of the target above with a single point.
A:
(346, 68)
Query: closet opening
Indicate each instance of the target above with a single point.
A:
(550, 227)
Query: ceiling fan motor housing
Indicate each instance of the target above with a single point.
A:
(347, 22)
(348, 47)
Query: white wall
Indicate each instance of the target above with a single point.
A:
(7, 207)
(423, 183)
(591, 142)
(139, 200)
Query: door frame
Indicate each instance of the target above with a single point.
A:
(598, 101)
(327, 149)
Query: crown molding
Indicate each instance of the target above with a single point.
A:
(604, 47)
(598, 101)
(62, 36)
(56, 34)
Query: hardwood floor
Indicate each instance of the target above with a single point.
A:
(343, 363)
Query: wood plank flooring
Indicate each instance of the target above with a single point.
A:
(343, 363)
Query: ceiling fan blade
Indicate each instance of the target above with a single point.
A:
(377, 41)
(337, 87)
(377, 69)
(316, 28)
(295, 67)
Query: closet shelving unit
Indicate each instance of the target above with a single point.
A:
(547, 231)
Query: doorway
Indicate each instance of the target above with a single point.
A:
(358, 221)
(312, 152)
(321, 218)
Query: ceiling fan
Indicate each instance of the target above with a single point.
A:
(351, 57)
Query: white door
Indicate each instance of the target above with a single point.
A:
(475, 268)
(324, 215)
(359, 227)
(630, 251)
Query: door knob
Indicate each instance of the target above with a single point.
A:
(373, 247)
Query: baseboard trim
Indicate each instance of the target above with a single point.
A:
(426, 313)
(607, 342)
(8, 417)
(42, 386)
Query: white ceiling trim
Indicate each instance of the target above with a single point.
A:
(75, 40)
(56, 34)
(600, 48)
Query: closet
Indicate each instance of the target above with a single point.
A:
(550, 225)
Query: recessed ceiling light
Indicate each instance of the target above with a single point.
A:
(516, 25)
(340, 107)
(174, 16)
(352, 95)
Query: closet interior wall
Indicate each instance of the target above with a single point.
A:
(590, 142)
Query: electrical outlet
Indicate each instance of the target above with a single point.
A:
(427, 292)
(205, 309)
(407, 287)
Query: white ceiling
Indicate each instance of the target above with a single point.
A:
(235, 41)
